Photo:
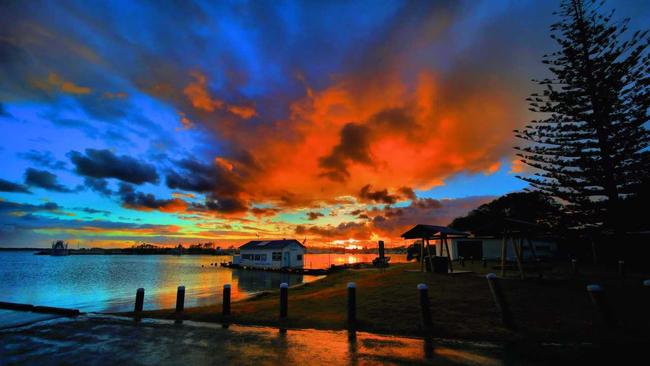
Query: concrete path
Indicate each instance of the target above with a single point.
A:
(12, 319)
(103, 340)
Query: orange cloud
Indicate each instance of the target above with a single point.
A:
(242, 111)
(197, 93)
(518, 167)
(184, 120)
(174, 205)
(377, 131)
(54, 81)
(493, 168)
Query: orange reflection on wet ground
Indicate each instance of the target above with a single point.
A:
(111, 340)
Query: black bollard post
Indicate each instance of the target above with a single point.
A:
(352, 307)
(621, 269)
(284, 306)
(646, 287)
(574, 267)
(225, 306)
(180, 304)
(427, 323)
(499, 300)
(139, 303)
(601, 305)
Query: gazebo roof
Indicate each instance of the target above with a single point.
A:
(432, 231)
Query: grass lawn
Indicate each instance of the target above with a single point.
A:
(556, 308)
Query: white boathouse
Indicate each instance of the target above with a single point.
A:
(285, 253)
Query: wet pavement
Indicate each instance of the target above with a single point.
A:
(12, 319)
(104, 340)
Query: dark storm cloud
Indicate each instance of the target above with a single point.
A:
(7, 186)
(93, 211)
(98, 185)
(43, 159)
(264, 211)
(7, 206)
(44, 179)
(379, 196)
(353, 147)
(146, 201)
(357, 138)
(343, 230)
(367, 194)
(221, 182)
(199, 177)
(313, 215)
(227, 205)
(105, 164)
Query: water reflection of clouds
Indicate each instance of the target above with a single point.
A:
(108, 283)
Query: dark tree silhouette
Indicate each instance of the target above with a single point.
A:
(533, 207)
(591, 144)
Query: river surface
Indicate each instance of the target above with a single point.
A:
(107, 283)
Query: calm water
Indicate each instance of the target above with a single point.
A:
(108, 282)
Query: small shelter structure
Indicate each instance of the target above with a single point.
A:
(426, 233)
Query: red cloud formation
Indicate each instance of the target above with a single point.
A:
(379, 131)
(197, 93)
(391, 222)
(382, 196)
(199, 97)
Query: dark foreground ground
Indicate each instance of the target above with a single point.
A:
(100, 340)
(106, 340)
(555, 308)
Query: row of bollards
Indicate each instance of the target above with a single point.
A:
(601, 305)
(284, 306)
(596, 293)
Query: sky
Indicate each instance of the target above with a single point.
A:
(338, 122)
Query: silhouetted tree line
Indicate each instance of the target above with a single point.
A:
(534, 207)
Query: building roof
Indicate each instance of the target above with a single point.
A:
(269, 244)
(429, 231)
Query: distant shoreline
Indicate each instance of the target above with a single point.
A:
(174, 251)
(124, 251)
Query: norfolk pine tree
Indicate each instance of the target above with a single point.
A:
(590, 148)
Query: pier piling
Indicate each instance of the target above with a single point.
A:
(180, 304)
(499, 300)
(139, 303)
